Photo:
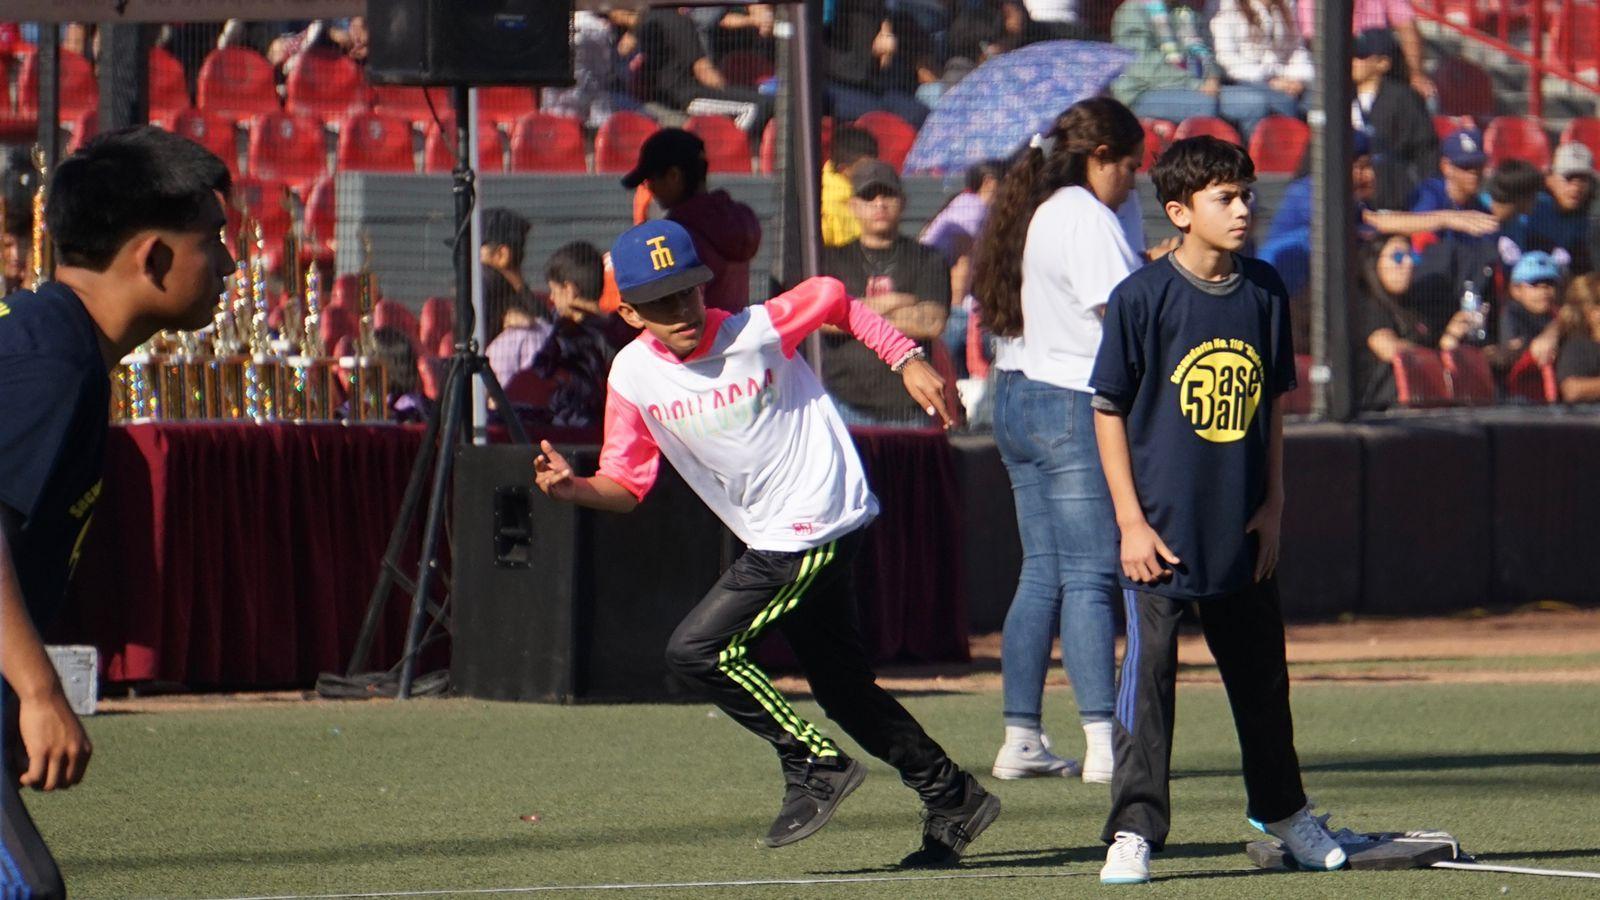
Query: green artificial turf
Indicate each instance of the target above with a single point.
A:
(369, 797)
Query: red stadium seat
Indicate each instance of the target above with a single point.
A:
(347, 291)
(727, 146)
(504, 105)
(237, 83)
(1582, 46)
(1154, 140)
(338, 325)
(1583, 130)
(267, 202)
(616, 146)
(1165, 129)
(439, 153)
(79, 92)
(437, 320)
(1278, 143)
(1464, 88)
(1198, 125)
(545, 143)
(1471, 381)
(169, 87)
(213, 132)
(1444, 126)
(86, 126)
(412, 102)
(1516, 137)
(322, 219)
(895, 135)
(288, 148)
(1420, 379)
(375, 142)
(389, 314)
(1531, 382)
(1298, 401)
(325, 84)
(769, 143)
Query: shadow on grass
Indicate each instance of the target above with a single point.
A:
(1573, 853)
(1050, 858)
(1425, 763)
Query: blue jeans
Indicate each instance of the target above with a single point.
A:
(1068, 582)
(1243, 105)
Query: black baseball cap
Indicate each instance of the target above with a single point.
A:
(661, 151)
(1375, 42)
(875, 173)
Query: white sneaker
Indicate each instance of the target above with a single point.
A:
(1127, 861)
(1098, 755)
(1028, 758)
(1307, 839)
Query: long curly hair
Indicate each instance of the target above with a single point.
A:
(1086, 126)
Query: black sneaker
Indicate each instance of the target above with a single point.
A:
(811, 797)
(947, 832)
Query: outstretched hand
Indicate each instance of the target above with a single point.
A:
(552, 473)
(927, 388)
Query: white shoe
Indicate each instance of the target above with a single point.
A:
(1098, 756)
(1127, 861)
(1307, 839)
(1023, 756)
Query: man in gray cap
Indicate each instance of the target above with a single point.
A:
(1561, 214)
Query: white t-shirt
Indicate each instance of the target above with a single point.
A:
(1052, 10)
(1077, 251)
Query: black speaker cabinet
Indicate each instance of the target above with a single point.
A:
(559, 604)
(469, 42)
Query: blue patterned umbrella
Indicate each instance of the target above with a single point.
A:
(1001, 103)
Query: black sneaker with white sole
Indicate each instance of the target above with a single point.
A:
(947, 832)
(812, 795)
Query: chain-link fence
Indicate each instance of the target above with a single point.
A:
(1471, 171)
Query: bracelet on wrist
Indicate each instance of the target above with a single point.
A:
(902, 362)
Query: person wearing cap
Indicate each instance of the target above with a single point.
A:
(730, 402)
(505, 290)
(1459, 184)
(726, 233)
(1395, 15)
(1561, 213)
(1405, 147)
(900, 279)
(851, 146)
(1536, 286)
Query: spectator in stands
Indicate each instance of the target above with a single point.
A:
(1536, 286)
(1512, 192)
(725, 29)
(505, 240)
(576, 355)
(1381, 14)
(851, 147)
(866, 63)
(1578, 363)
(726, 233)
(1404, 145)
(1175, 73)
(953, 231)
(675, 72)
(1051, 252)
(1257, 43)
(524, 332)
(1561, 213)
(16, 236)
(1459, 184)
(903, 281)
(1385, 320)
(407, 403)
(597, 72)
(1057, 18)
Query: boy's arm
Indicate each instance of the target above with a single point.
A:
(1267, 521)
(628, 464)
(1142, 549)
(53, 740)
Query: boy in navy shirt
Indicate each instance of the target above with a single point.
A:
(1196, 352)
(136, 216)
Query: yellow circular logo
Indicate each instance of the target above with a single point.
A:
(1219, 388)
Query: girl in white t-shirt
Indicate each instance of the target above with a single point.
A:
(1057, 206)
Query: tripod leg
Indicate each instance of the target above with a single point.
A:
(397, 540)
(444, 465)
(508, 415)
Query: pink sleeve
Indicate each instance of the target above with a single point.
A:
(822, 301)
(1399, 12)
(630, 456)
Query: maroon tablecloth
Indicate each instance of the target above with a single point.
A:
(243, 556)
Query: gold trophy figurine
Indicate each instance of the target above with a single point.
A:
(226, 376)
(369, 382)
(43, 263)
(313, 370)
(261, 370)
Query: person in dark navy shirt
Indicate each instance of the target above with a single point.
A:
(136, 216)
(1196, 353)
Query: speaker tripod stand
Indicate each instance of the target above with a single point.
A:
(449, 427)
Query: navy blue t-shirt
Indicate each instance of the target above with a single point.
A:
(54, 405)
(1197, 375)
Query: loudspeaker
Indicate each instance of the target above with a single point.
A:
(555, 603)
(469, 42)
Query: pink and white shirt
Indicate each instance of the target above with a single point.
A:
(746, 422)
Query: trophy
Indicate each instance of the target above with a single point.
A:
(261, 368)
(225, 374)
(134, 398)
(369, 382)
(43, 264)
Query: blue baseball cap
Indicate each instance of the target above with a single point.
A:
(1464, 149)
(1534, 267)
(655, 260)
(1360, 143)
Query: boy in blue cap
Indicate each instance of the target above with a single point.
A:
(726, 397)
